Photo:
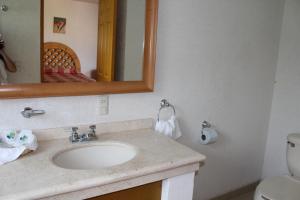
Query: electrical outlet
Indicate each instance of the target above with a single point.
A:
(103, 105)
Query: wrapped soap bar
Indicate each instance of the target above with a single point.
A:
(13, 144)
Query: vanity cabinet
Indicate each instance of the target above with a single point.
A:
(162, 169)
(150, 191)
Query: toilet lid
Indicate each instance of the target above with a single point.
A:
(280, 188)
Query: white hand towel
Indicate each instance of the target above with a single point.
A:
(169, 127)
(13, 144)
(10, 154)
(177, 133)
(3, 74)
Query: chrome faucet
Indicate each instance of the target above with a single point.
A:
(85, 137)
(29, 112)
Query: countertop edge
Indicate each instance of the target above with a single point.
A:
(161, 172)
(124, 184)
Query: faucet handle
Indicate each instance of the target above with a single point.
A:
(93, 127)
(74, 136)
(74, 129)
(92, 133)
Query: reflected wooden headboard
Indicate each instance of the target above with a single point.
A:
(59, 57)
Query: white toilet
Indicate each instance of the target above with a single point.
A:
(284, 187)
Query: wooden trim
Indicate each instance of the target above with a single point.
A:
(71, 89)
(150, 42)
(80, 89)
(236, 193)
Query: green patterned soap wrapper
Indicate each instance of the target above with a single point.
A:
(8, 137)
(11, 135)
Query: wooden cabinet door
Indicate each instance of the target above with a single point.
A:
(145, 192)
(106, 40)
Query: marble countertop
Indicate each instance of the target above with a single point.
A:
(35, 176)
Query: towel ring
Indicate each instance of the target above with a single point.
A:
(165, 104)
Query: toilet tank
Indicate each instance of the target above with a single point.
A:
(293, 154)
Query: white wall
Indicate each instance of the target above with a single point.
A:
(285, 115)
(19, 34)
(216, 61)
(219, 59)
(81, 30)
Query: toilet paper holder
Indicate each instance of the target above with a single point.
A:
(208, 134)
(206, 124)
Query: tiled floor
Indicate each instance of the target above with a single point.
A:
(248, 196)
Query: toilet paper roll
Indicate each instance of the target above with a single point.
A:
(209, 136)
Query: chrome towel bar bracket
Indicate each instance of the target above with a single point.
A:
(165, 104)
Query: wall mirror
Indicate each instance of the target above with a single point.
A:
(76, 47)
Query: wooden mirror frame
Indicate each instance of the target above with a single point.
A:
(15, 91)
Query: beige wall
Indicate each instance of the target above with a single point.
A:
(81, 30)
(216, 61)
(20, 27)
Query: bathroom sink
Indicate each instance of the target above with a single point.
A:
(96, 156)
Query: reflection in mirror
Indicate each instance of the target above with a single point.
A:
(83, 40)
(20, 30)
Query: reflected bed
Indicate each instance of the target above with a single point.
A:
(61, 64)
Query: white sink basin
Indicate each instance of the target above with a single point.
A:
(102, 155)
